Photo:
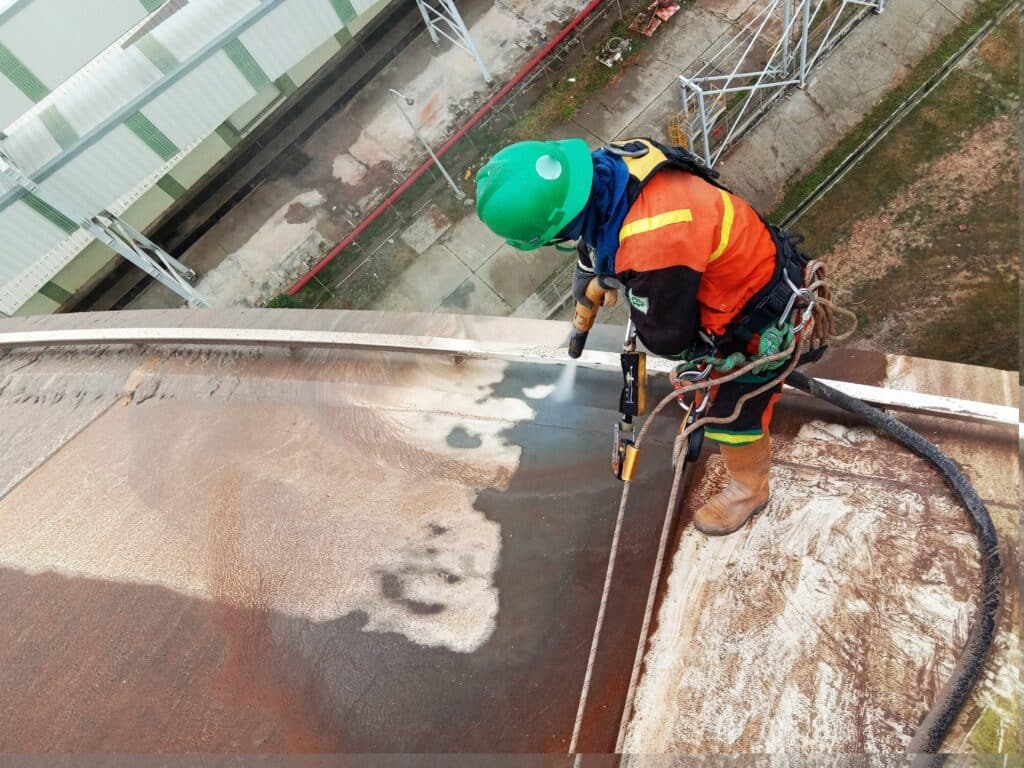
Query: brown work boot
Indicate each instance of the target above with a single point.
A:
(746, 493)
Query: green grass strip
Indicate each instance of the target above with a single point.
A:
(984, 11)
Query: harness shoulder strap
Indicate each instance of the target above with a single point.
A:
(645, 157)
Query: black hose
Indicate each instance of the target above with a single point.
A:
(936, 724)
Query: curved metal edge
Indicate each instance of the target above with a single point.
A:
(900, 400)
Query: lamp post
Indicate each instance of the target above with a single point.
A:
(459, 194)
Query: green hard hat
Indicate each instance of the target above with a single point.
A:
(529, 191)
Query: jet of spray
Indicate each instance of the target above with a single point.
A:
(565, 384)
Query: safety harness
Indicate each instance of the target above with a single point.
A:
(768, 311)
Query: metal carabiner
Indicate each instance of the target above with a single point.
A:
(802, 294)
(693, 377)
(622, 152)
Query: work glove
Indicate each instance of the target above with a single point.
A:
(584, 273)
(581, 279)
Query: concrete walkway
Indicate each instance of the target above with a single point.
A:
(792, 139)
(361, 153)
(463, 268)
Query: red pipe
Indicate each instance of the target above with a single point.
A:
(587, 10)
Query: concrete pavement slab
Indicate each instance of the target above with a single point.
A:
(424, 285)
(515, 274)
(617, 315)
(730, 9)
(795, 128)
(804, 126)
(429, 225)
(653, 121)
(573, 130)
(536, 306)
(959, 8)
(614, 107)
(472, 241)
(912, 29)
(682, 44)
(474, 297)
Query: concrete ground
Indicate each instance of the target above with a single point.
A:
(358, 155)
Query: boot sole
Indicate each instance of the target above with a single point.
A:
(746, 520)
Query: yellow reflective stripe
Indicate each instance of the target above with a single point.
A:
(727, 216)
(725, 437)
(640, 226)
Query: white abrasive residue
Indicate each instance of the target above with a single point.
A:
(698, 561)
(792, 706)
(308, 509)
(700, 657)
(857, 606)
(389, 138)
(835, 434)
(935, 602)
(347, 169)
(828, 691)
(257, 267)
(917, 649)
(539, 392)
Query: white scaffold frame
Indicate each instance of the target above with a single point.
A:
(442, 18)
(115, 233)
(711, 125)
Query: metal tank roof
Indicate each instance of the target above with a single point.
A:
(355, 550)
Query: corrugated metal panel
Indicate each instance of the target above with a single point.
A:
(54, 38)
(289, 32)
(195, 25)
(121, 76)
(12, 102)
(102, 173)
(195, 105)
(32, 144)
(26, 235)
(112, 169)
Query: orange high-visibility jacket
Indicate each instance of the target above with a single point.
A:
(690, 255)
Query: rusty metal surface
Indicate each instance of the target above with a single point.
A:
(256, 550)
(267, 551)
(830, 622)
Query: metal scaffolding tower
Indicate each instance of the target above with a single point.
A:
(443, 18)
(113, 232)
(772, 53)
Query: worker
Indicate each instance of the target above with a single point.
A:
(703, 273)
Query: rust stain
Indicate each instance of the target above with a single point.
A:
(196, 637)
(298, 213)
